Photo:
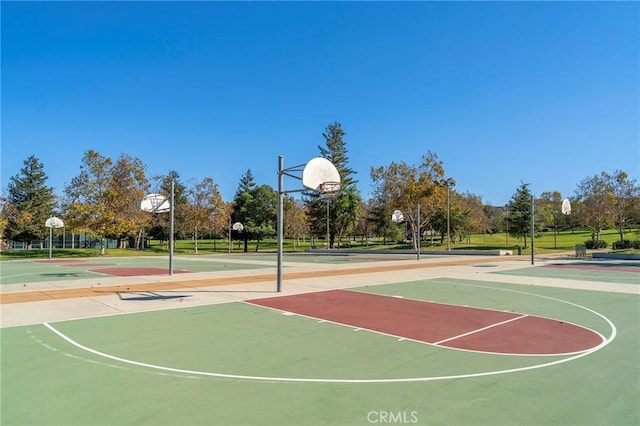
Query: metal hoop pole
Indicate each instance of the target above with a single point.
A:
(418, 235)
(171, 211)
(280, 220)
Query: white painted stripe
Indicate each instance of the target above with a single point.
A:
(605, 342)
(329, 380)
(479, 330)
(289, 314)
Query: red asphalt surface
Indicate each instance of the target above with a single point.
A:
(446, 325)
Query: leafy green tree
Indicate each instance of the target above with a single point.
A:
(159, 223)
(519, 220)
(596, 201)
(626, 199)
(29, 203)
(256, 207)
(466, 216)
(550, 211)
(378, 215)
(474, 216)
(264, 210)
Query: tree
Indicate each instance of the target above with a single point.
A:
(296, 223)
(368, 220)
(204, 206)
(626, 195)
(550, 204)
(256, 207)
(105, 196)
(343, 208)
(159, 223)
(404, 187)
(519, 220)
(128, 185)
(466, 215)
(596, 202)
(29, 204)
(378, 215)
(607, 200)
(242, 203)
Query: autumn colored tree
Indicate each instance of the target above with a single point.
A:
(204, 205)
(605, 200)
(296, 223)
(105, 196)
(405, 187)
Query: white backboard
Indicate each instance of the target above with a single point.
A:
(319, 171)
(397, 216)
(54, 222)
(155, 203)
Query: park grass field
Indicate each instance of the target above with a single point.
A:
(234, 362)
(545, 243)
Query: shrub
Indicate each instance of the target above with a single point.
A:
(595, 244)
(626, 244)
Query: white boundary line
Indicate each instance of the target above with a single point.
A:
(605, 342)
(479, 330)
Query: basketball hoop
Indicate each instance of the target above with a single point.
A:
(329, 189)
(397, 216)
(155, 203)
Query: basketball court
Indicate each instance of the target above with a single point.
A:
(466, 340)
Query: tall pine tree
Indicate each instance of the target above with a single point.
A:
(344, 207)
(30, 202)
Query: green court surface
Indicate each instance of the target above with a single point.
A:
(238, 363)
(22, 271)
(602, 275)
(33, 271)
(313, 257)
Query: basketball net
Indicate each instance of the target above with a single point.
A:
(329, 189)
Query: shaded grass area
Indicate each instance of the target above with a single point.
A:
(48, 381)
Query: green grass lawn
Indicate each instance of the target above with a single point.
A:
(544, 243)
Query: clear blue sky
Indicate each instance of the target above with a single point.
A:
(545, 93)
